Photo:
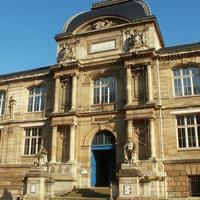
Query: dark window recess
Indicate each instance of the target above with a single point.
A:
(194, 186)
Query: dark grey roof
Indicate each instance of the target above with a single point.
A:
(129, 9)
(26, 72)
(179, 48)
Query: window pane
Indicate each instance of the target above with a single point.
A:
(2, 102)
(198, 130)
(187, 86)
(186, 71)
(33, 146)
(180, 120)
(178, 87)
(177, 72)
(26, 146)
(198, 118)
(190, 119)
(181, 138)
(196, 84)
(191, 137)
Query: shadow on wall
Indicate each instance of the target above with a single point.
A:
(6, 195)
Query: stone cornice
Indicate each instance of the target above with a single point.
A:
(177, 55)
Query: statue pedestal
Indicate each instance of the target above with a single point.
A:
(39, 185)
(144, 180)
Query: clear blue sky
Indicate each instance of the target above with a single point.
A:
(28, 27)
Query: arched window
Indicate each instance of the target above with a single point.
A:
(104, 90)
(186, 81)
(2, 102)
(103, 138)
(36, 99)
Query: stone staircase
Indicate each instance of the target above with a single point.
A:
(101, 193)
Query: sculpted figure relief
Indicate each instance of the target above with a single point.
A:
(135, 39)
(130, 152)
(40, 158)
(103, 23)
(12, 103)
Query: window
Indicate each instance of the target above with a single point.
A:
(103, 138)
(194, 186)
(187, 81)
(188, 128)
(33, 139)
(2, 102)
(36, 99)
(104, 90)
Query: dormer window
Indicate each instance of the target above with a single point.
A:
(36, 99)
(2, 102)
(186, 81)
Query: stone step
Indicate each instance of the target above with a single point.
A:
(79, 198)
(86, 194)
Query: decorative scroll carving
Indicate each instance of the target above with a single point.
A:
(67, 50)
(130, 152)
(102, 24)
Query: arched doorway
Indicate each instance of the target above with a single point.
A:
(102, 159)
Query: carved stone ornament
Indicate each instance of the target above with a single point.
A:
(102, 24)
(130, 152)
(135, 39)
(67, 50)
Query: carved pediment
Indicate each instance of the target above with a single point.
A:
(101, 23)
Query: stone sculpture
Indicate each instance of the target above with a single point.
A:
(130, 152)
(40, 158)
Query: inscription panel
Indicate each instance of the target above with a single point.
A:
(102, 46)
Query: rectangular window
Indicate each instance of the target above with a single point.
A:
(188, 130)
(33, 139)
(104, 90)
(36, 99)
(194, 182)
(186, 81)
(2, 102)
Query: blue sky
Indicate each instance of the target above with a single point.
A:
(28, 27)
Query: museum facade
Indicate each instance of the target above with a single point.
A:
(67, 125)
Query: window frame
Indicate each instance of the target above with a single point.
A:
(181, 77)
(27, 150)
(186, 126)
(2, 102)
(108, 88)
(32, 99)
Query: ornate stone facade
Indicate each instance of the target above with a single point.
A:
(110, 84)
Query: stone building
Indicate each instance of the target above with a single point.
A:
(114, 81)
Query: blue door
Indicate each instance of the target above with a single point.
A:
(102, 159)
(102, 165)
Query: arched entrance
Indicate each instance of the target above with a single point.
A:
(102, 159)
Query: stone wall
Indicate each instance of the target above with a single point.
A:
(177, 178)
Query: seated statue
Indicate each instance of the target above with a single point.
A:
(40, 158)
(129, 152)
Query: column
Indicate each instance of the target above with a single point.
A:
(72, 145)
(150, 86)
(74, 91)
(152, 138)
(129, 129)
(54, 144)
(128, 86)
(56, 97)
